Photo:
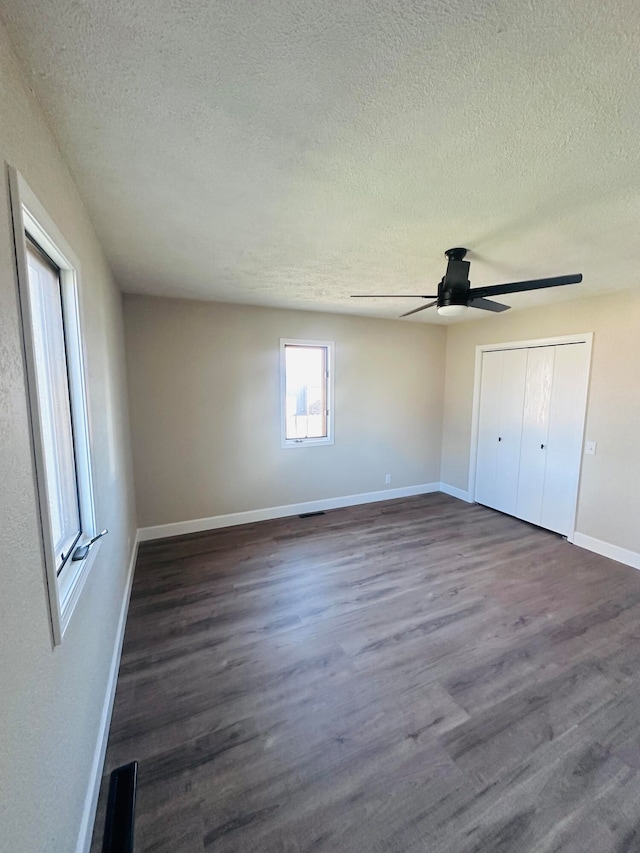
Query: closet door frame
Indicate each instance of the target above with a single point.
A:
(585, 338)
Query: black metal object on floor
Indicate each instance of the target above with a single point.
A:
(121, 806)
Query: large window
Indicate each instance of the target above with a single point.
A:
(307, 406)
(48, 287)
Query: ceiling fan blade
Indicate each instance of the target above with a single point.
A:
(421, 308)
(520, 286)
(393, 296)
(488, 305)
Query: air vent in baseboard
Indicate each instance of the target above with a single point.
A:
(121, 807)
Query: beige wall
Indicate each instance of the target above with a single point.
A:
(609, 498)
(51, 699)
(204, 398)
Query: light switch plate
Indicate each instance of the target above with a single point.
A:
(590, 448)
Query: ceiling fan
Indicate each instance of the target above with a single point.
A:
(455, 293)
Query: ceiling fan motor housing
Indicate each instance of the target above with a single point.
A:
(454, 287)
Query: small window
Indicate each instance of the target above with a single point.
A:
(48, 286)
(307, 412)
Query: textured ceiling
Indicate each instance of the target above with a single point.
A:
(293, 152)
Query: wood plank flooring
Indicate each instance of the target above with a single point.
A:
(415, 676)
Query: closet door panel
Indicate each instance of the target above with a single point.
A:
(514, 368)
(488, 427)
(566, 427)
(535, 428)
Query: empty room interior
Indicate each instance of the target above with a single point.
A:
(320, 417)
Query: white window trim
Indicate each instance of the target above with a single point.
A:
(306, 442)
(30, 217)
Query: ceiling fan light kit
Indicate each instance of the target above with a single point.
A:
(455, 294)
(452, 310)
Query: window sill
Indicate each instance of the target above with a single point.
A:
(307, 442)
(70, 595)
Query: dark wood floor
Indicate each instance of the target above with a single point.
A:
(414, 676)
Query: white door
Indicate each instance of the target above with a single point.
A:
(566, 431)
(500, 428)
(535, 429)
(489, 427)
(514, 372)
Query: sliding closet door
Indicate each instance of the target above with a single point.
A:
(514, 371)
(564, 446)
(535, 429)
(489, 427)
(500, 428)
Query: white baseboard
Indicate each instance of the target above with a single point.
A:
(95, 777)
(606, 549)
(179, 528)
(456, 493)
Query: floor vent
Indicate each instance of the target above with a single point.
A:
(311, 514)
(121, 807)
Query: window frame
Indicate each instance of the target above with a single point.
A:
(329, 346)
(30, 218)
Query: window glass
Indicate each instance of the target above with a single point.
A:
(53, 394)
(305, 392)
